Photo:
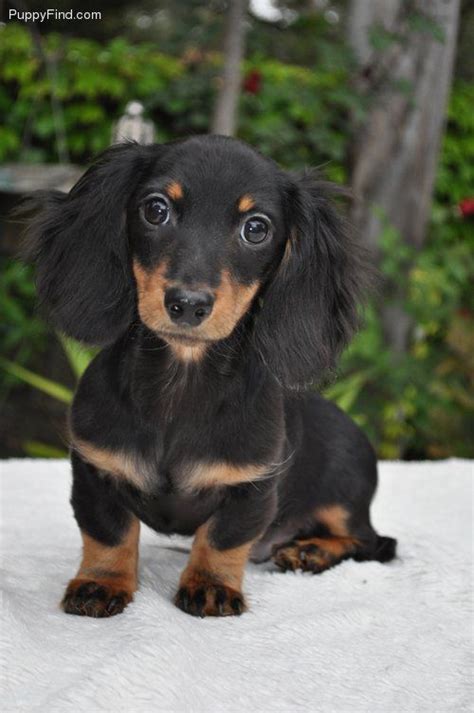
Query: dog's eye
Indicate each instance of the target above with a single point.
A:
(156, 211)
(255, 230)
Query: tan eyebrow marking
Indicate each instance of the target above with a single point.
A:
(246, 203)
(175, 190)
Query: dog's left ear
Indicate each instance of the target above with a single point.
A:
(309, 309)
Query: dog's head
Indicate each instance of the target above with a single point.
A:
(191, 237)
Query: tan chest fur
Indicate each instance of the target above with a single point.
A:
(209, 475)
(196, 476)
(122, 465)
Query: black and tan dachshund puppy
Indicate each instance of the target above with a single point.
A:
(219, 285)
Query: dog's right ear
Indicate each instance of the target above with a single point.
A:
(79, 244)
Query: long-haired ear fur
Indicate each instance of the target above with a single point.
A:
(78, 242)
(309, 309)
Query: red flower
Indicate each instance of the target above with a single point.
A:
(253, 82)
(466, 207)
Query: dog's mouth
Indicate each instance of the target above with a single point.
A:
(183, 335)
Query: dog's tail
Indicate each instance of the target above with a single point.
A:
(385, 549)
(381, 549)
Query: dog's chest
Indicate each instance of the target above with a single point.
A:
(173, 512)
(169, 495)
(174, 453)
(157, 470)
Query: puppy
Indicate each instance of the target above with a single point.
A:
(218, 286)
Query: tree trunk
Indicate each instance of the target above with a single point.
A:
(225, 112)
(395, 151)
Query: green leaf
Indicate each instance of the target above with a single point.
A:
(346, 391)
(78, 356)
(36, 449)
(52, 388)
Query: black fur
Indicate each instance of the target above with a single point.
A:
(147, 394)
(310, 304)
(98, 507)
(79, 244)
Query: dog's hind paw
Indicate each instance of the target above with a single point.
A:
(313, 554)
(293, 556)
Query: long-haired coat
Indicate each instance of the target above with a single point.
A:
(218, 285)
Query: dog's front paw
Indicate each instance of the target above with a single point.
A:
(204, 597)
(97, 599)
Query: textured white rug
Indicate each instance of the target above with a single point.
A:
(361, 637)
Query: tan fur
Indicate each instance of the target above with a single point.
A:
(287, 254)
(151, 287)
(115, 463)
(175, 190)
(200, 475)
(186, 353)
(246, 203)
(232, 300)
(314, 553)
(335, 518)
(224, 567)
(114, 566)
(209, 475)
(336, 547)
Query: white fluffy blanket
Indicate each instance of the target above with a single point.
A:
(361, 637)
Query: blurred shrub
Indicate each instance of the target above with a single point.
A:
(78, 358)
(94, 82)
(418, 404)
(421, 404)
(21, 331)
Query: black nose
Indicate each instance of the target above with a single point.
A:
(188, 307)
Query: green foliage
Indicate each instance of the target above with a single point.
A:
(79, 358)
(47, 386)
(22, 333)
(94, 82)
(280, 119)
(422, 403)
(35, 449)
(455, 177)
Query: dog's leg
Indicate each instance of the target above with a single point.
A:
(345, 537)
(211, 584)
(107, 576)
